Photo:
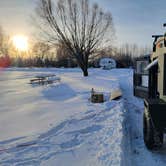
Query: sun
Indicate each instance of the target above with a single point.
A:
(20, 42)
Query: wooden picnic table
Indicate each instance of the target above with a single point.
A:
(45, 76)
(45, 79)
(37, 80)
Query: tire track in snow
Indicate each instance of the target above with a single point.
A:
(97, 130)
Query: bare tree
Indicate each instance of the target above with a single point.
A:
(82, 28)
(41, 49)
(4, 43)
(127, 53)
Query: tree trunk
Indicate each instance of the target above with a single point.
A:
(83, 66)
(85, 72)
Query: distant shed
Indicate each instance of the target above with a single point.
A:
(107, 63)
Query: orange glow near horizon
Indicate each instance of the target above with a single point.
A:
(20, 42)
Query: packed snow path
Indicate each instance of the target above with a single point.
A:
(136, 152)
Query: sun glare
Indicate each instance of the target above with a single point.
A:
(20, 42)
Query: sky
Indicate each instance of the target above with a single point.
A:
(135, 21)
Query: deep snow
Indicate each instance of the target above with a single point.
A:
(57, 124)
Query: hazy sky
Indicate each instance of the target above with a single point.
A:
(135, 20)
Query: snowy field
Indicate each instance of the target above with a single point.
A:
(57, 125)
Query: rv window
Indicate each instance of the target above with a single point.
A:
(160, 45)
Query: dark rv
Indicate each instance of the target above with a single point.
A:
(150, 84)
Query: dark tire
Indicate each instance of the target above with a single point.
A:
(153, 138)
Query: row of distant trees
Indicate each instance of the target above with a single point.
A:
(74, 33)
(44, 55)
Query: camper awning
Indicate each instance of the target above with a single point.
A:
(151, 64)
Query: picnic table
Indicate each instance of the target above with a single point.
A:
(45, 79)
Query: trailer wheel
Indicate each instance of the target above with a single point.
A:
(153, 138)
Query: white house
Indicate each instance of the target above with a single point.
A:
(107, 63)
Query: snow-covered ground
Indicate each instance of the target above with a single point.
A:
(57, 125)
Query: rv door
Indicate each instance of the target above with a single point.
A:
(141, 79)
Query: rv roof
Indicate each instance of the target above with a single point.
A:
(151, 64)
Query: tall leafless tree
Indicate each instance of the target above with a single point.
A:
(41, 50)
(81, 27)
(4, 43)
